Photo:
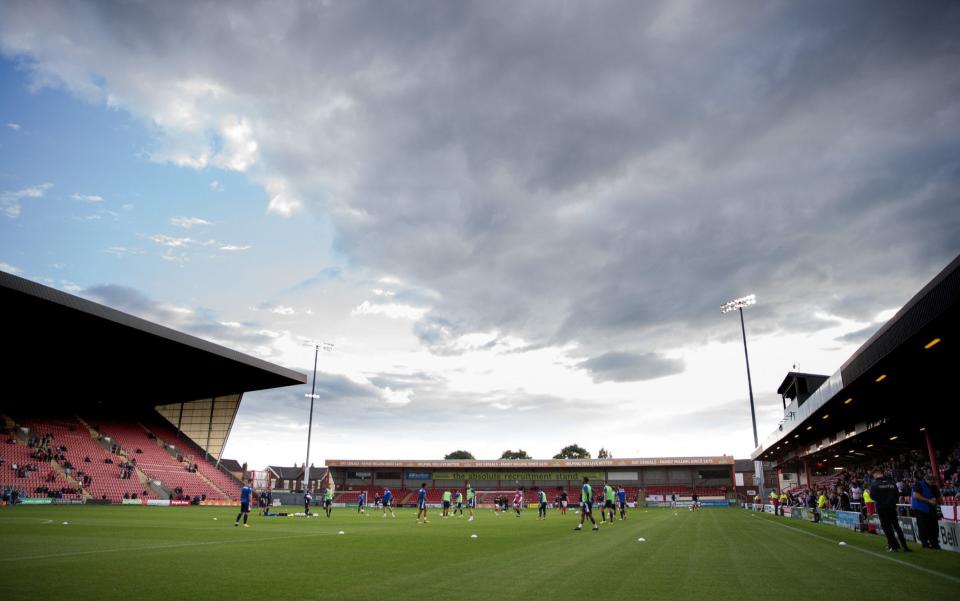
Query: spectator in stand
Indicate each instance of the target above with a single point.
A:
(924, 503)
(844, 501)
(885, 494)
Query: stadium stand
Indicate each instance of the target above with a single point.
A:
(195, 455)
(107, 380)
(156, 462)
(100, 479)
(20, 470)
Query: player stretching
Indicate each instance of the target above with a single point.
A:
(518, 501)
(328, 499)
(245, 494)
(586, 504)
(471, 501)
(422, 504)
(542, 505)
(608, 499)
(362, 502)
(388, 502)
(459, 507)
(622, 502)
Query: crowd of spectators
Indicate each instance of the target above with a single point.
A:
(11, 494)
(844, 490)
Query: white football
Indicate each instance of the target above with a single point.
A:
(341, 532)
(642, 540)
(473, 536)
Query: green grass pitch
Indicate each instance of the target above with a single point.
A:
(189, 553)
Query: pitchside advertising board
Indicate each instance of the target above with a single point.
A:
(513, 476)
(949, 530)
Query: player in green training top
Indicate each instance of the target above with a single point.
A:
(471, 500)
(541, 503)
(609, 502)
(446, 503)
(458, 507)
(586, 504)
(328, 499)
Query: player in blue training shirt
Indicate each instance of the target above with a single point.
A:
(388, 502)
(361, 501)
(245, 493)
(622, 502)
(422, 504)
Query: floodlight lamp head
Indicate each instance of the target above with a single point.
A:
(739, 303)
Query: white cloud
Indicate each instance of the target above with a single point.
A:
(188, 222)
(176, 242)
(234, 247)
(282, 202)
(391, 310)
(87, 197)
(8, 268)
(396, 397)
(216, 186)
(239, 148)
(10, 201)
(122, 251)
(14, 126)
(281, 310)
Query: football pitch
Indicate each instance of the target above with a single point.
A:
(192, 553)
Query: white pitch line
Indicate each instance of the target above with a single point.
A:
(874, 553)
(156, 547)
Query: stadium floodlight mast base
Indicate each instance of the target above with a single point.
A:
(738, 304)
(326, 346)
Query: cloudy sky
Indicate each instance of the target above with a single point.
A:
(516, 221)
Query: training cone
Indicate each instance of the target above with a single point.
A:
(341, 532)
(473, 536)
(641, 540)
(843, 544)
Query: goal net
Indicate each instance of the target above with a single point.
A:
(488, 498)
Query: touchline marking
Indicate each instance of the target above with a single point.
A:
(157, 547)
(874, 553)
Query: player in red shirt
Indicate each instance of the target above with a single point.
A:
(518, 501)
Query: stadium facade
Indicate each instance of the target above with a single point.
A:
(712, 476)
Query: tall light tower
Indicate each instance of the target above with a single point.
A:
(739, 304)
(325, 346)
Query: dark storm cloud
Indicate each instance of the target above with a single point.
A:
(858, 336)
(630, 367)
(594, 174)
